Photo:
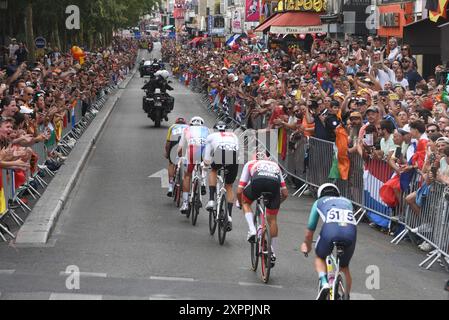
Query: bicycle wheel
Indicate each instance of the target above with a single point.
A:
(212, 221)
(255, 246)
(196, 203)
(266, 254)
(222, 219)
(339, 291)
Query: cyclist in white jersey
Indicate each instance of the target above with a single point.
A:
(222, 152)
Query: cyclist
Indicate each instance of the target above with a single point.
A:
(262, 176)
(173, 138)
(222, 151)
(339, 226)
(193, 142)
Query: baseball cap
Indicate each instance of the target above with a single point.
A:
(443, 140)
(355, 115)
(404, 130)
(373, 109)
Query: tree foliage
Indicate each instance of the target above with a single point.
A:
(99, 18)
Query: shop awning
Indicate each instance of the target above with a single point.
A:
(292, 23)
(423, 36)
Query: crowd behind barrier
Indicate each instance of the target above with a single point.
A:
(310, 162)
(59, 130)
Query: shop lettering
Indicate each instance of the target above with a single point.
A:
(306, 5)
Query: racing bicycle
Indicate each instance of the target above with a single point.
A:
(336, 278)
(219, 215)
(261, 248)
(195, 202)
(177, 189)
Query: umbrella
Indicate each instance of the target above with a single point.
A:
(167, 28)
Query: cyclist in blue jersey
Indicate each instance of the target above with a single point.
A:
(339, 225)
(173, 137)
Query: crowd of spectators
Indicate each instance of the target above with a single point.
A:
(36, 99)
(371, 89)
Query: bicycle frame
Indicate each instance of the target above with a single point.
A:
(221, 188)
(333, 265)
(196, 176)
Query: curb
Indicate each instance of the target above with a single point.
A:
(42, 220)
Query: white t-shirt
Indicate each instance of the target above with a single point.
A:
(403, 82)
(393, 54)
(12, 50)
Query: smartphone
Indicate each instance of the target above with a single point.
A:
(383, 93)
(360, 74)
(398, 153)
(369, 139)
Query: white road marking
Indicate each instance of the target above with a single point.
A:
(161, 297)
(74, 296)
(172, 279)
(251, 284)
(163, 175)
(7, 271)
(86, 274)
(361, 296)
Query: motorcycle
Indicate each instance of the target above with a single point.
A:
(157, 105)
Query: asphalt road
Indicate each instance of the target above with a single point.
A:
(129, 241)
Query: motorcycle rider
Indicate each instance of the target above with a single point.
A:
(159, 81)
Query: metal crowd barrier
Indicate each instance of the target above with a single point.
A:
(74, 126)
(309, 160)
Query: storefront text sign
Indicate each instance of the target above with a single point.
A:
(295, 30)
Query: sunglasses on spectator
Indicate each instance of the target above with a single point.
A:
(431, 131)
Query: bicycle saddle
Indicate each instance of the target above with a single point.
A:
(340, 247)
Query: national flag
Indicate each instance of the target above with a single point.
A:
(282, 143)
(376, 173)
(226, 63)
(440, 11)
(262, 82)
(3, 206)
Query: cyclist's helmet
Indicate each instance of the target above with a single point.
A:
(197, 121)
(181, 121)
(328, 190)
(221, 126)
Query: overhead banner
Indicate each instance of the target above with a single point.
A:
(237, 22)
(252, 10)
(298, 30)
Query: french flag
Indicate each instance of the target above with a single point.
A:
(375, 174)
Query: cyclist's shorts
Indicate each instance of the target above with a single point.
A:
(231, 171)
(195, 156)
(259, 185)
(170, 150)
(332, 232)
